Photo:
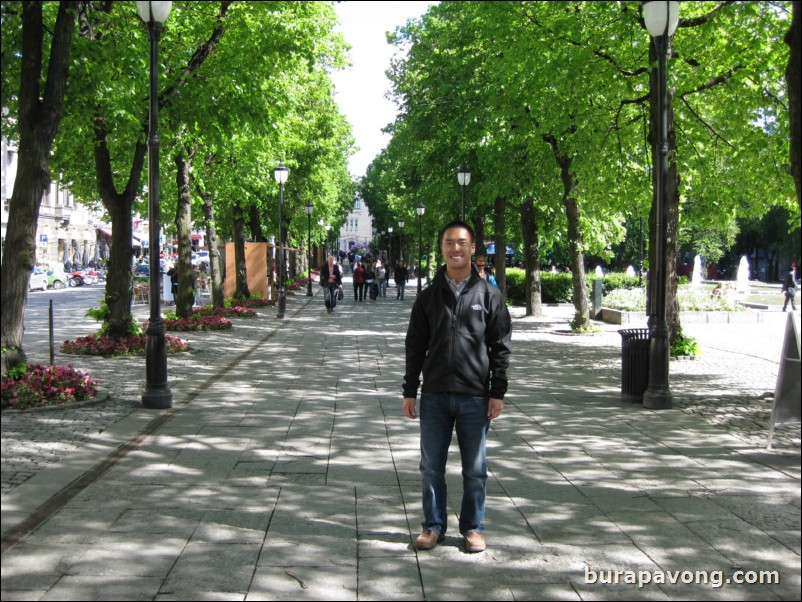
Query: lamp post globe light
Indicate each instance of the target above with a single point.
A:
(464, 178)
(157, 394)
(420, 210)
(281, 174)
(661, 19)
(309, 209)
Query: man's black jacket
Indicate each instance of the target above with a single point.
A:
(461, 345)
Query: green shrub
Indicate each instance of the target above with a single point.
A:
(613, 281)
(556, 287)
(516, 283)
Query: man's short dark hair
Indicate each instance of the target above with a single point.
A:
(456, 224)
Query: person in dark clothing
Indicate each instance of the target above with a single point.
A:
(459, 336)
(359, 282)
(400, 275)
(331, 279)
(173, 274)
(789, 288)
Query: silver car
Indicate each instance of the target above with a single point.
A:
(38, 280)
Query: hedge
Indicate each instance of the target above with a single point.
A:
(558, 287)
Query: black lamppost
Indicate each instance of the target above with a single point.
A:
(661, 18)
(390, 233)
(401, 240)
(157, 394)
(420, 209)
(309, 209)
(464, 178)
(281, 174)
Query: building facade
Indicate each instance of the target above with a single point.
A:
(357, 231)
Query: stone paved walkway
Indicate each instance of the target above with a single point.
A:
(287, 471)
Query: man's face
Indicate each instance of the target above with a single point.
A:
(457, 248)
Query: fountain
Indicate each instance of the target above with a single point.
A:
(742, 281)
(696, 276)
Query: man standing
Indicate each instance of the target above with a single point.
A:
(401, 275)
(460, 337)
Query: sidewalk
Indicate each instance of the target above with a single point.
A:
(287, 471)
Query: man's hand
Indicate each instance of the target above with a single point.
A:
(494, 408)
(409, 407)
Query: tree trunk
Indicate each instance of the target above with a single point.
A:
(40, 111)
(120, 209)
(575, 243)
(575, 246)
(242, 291)
(183, 225)
(793, 79)
(215, 273)
(479, 230)
(255, 225)
(534, 305)
(500, 237)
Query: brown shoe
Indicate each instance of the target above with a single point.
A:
(428, 539)
(474, 541)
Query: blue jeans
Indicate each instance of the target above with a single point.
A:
(330, 295)
(439, 414)
(399, 293)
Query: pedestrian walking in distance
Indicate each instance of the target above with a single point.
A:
(459, 337)
(331, 279)
(789, 288)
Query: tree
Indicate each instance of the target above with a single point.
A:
(39, 109)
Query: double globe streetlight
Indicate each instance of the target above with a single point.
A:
(661, 20)
(157, 394)
(281, 174)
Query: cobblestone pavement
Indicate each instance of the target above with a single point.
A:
(740, 359)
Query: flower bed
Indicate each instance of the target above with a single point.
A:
(114, 346)
(225, 312)
(45, 385)
(196, 324)
(256, 302)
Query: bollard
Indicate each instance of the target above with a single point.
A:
(52, 350)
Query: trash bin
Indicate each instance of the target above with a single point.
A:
(634, 363)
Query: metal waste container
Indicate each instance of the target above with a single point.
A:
(634, 363)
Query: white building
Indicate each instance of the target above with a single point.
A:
(357, 231)
(66, 230)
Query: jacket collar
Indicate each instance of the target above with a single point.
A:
(440, 278)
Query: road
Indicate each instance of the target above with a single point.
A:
(69, 318)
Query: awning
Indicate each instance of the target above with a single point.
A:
(491, 249)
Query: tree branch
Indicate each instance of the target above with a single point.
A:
(199, 56)
(707, 126)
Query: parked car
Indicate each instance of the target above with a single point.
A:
(38, 280)
(142, 269)
(200, 257)
(56, 278)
